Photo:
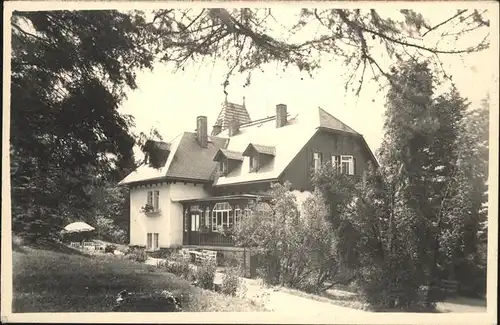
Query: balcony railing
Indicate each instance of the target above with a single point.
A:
(208, 239)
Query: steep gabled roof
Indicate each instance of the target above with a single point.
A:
(265, 150)
(191, 161)
(187, 160)
(284, 143)
(326, 120)
(233, 155)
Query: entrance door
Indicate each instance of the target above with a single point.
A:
(194, 234)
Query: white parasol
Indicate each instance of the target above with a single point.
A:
(78, 227)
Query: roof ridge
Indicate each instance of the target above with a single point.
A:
(337, 119)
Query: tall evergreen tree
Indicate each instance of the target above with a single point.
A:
(429, 154)
(70, 70)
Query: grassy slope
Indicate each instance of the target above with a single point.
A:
(49, 281)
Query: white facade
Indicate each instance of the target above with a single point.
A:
(168, 221)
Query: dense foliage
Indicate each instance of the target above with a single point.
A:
(297, 251)
(419, 218)
(71, 70)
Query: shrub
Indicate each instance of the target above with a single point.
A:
(110, 249)
(106, 229)
(137, 254)
(294, 250)
(205, 274)
(178, 266)
(164, 253)
(231, 281)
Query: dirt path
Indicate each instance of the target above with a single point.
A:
(278, 301)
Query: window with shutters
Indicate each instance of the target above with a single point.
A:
(317, 160)
(336, 163)
(347, 165)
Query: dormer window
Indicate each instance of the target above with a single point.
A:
(259, 156)
(254, 163)
(156, 153)
(227, 160)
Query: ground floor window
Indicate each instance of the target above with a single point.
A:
(222, 215)
(195, 217)
(206, 218)
(186, 224)
(237, 214)
(152, 241)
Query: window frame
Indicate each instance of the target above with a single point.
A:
(221, 213)
(254, 162)
(156, 241)
(207, 218)
(223, 166)
(336, 163)
(237, 214)
(317, 160)
(153, 199)
(152, 241)
(149, 241)
(349, 159)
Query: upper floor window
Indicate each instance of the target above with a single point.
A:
(254, 163)
(153, 200)
(223, 166)
(317, 160)
(347, 165)
(336, 163)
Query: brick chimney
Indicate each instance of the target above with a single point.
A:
(216, 129)
(201, 131)
(280, 115)
(234, 127)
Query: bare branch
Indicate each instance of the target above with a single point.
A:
(444, 22)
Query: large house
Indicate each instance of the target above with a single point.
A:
(191, 186)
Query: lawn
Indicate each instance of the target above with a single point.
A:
(55, 281)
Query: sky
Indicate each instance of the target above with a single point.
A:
(171, 101)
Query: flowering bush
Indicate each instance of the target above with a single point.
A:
(231, 281)
(179, 266)
(147, 208)
(296, 250)
(137, 254)
(205, 274)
